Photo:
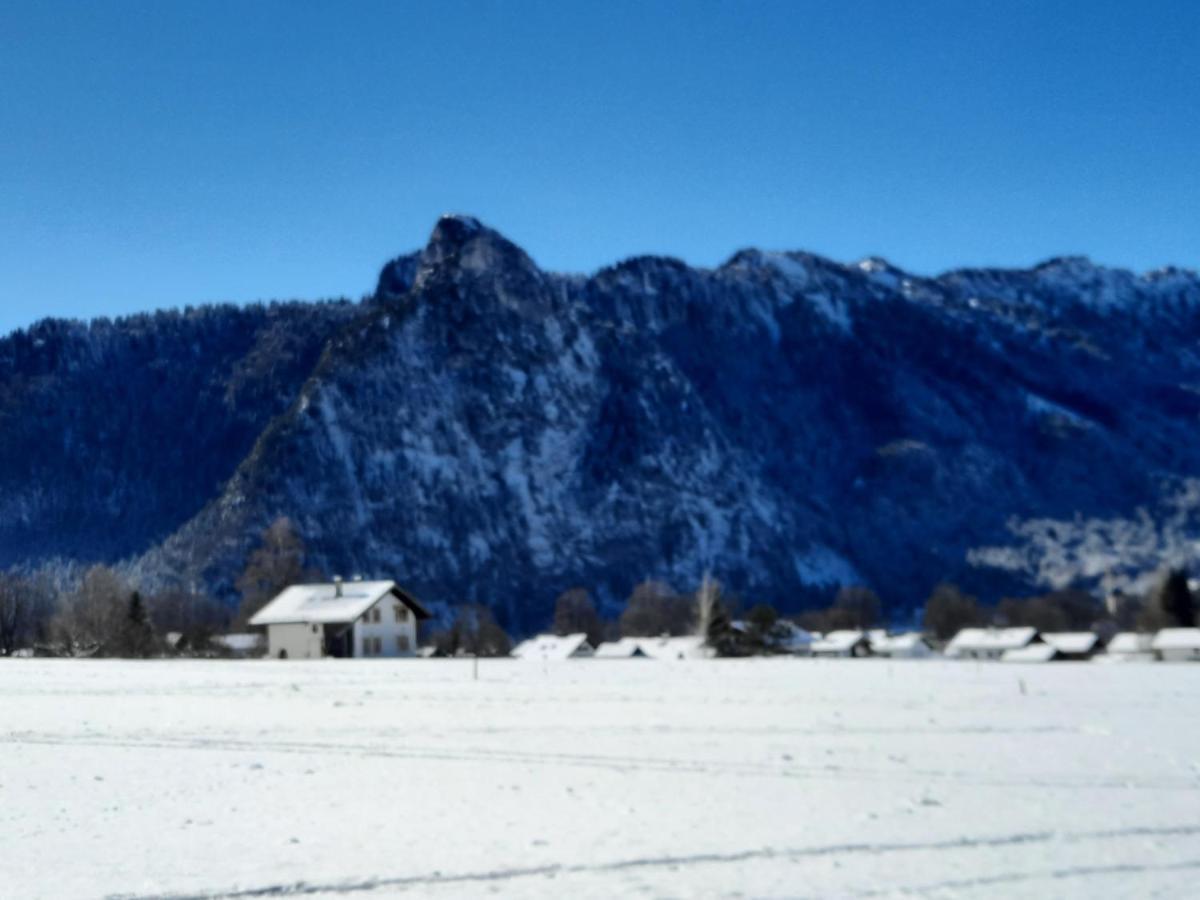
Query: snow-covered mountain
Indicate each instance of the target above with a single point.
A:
(486, 431)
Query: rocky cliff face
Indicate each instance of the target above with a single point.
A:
(487, 431)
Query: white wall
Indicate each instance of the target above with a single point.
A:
(397, 634)
(300, 641)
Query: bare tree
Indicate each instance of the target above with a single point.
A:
(474, 632)
(26, 604)
(855, 606)
(948, 610)
(654, 608)
(574, 612)
(276, 563)
(91, 618)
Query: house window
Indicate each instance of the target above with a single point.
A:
(372, 646)
(375, 616)
(402, 643)
(401, 612)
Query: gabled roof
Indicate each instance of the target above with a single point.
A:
(553, 646)
(990, 639)
(793, 637)
(322, 603)
(1072, 641)
(1177, 639)
(622, 649)
(681, 647)
(1130, 642)
(898, 643)
(837, 641)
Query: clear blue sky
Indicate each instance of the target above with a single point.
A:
(161, 153)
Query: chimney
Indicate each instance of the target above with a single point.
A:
(337, 585)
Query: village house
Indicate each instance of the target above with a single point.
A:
(843, 643)
(341, 619)
(676, 648)
(911, 645)
(990, 643)
(1177, 644)
(625, 648)
(1076, 645)
(554, 647)
(1129, 646)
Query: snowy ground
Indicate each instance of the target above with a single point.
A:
(788, 778)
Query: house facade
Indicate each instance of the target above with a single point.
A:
(990, 643)
(348, 619)
(1177, 644)
(842, 643)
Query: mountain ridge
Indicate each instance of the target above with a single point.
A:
(488, 431)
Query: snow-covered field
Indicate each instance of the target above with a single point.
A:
(788, 778)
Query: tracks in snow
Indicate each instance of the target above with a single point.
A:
(617, 763)
(367, 885)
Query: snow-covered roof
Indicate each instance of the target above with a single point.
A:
(1071, 641)
(793, 636)
(684, 647)
(622, 649)
(837, 642)
(239, 642)
(1031, 653)
(553, 646)
(1130, 642)
(1177, 639)
(332, 603)
(990, 639)
(897, 643)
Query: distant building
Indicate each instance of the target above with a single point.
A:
(1177, 644)
(682, 647)
(1074, 645)
(341, 619)
(842, 643)
(240, 645)
(990, 643)
(793, 639)
(625, 648)
(911, 645)
(554, 647)
(1130, 646)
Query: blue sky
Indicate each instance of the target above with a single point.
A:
(160, 154)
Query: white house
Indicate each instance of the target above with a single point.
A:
(343, 618)
(1073, 644)
(676, 648)
(1128, 646)
(912, 645)
(842, 643)
(1177, 644)
(553, 647)
(990, 643)
(625, 648)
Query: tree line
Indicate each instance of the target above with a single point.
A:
(105, 615)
